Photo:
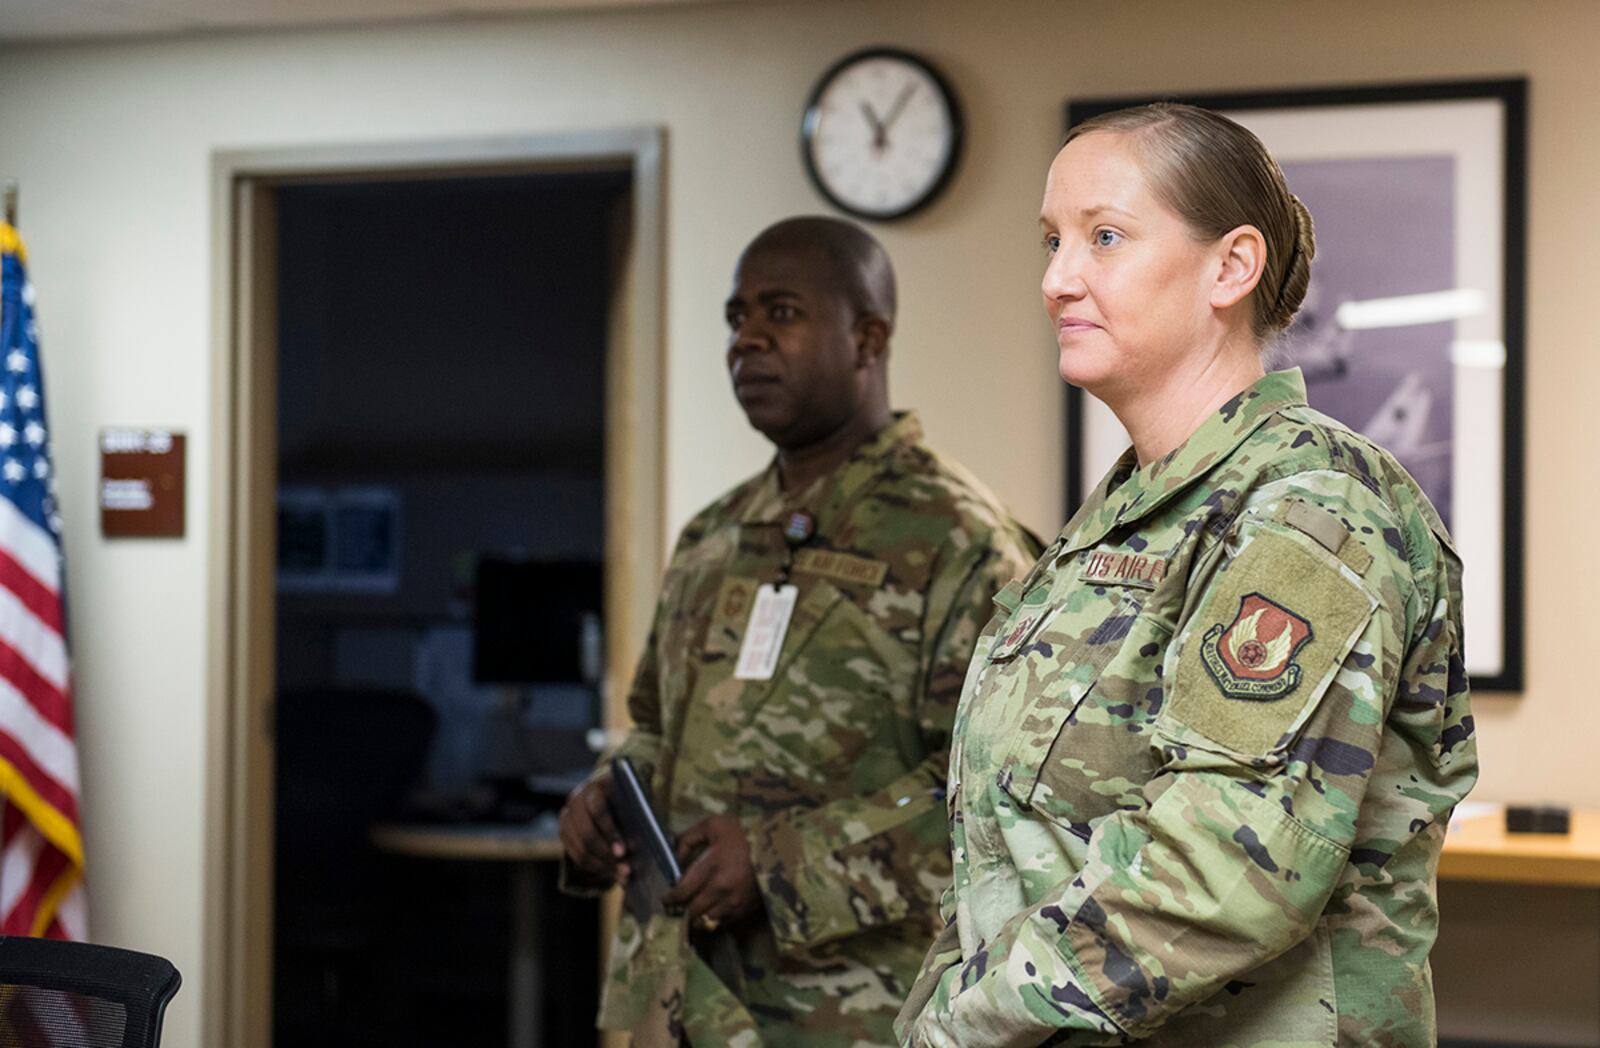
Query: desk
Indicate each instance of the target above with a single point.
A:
(1479, 849)
(1520, 911)
(525, 846)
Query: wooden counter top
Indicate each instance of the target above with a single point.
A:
(535, 843)
(1478, 848)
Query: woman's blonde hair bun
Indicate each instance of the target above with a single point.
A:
(1296, 276)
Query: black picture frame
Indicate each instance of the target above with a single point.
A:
(1332, 105)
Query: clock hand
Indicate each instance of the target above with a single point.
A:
(880, 134)
(899, 105)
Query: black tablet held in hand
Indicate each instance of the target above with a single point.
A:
(654, 867)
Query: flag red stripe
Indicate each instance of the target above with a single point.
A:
(49, 790)
(50, 701)
(36, 732)
(34, 595)
(52, 862)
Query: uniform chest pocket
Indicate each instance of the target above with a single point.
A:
(833, 715)
(1082, 749)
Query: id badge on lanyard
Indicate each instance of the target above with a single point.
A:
(774, 606)
(763, 635)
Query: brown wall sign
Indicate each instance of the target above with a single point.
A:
(141, 483)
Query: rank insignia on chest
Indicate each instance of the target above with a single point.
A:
(1017, 633)
(1252, 658)
(733, 600)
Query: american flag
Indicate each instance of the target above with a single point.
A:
(41, 846)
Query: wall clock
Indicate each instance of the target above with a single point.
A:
(881, 134)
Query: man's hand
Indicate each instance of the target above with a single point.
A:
(589, 836)
(719, 886)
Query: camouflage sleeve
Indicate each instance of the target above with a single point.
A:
(643, 742)
(1276, 689)
(642, 745)
(862, 862)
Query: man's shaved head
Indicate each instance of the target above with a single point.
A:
(849, 259)
(809, 318)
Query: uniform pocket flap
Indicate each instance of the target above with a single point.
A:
(1058, 670)
(813, 606)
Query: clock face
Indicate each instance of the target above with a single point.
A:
(882, 134)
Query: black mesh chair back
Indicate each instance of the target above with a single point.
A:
(57, 994)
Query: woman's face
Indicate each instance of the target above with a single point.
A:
(1127, 285)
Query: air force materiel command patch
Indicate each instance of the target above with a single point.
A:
(1267, 641)
(1253, 657)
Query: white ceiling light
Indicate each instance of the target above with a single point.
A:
(1467, 353)
(1405, 310)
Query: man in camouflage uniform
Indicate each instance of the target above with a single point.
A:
(1206, 754)
(808, 801)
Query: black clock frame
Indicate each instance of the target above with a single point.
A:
(808, 125)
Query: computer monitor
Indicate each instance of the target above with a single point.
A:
(536, 622)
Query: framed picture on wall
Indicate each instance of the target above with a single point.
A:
(305, 539)
(338, 540)
(1412, 328)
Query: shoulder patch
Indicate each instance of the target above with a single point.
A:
(1253, 657)
(1269, 638)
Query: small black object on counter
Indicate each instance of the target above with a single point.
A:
(1538, 818)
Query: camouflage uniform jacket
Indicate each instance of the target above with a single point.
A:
(1205, 756)
(836, 766)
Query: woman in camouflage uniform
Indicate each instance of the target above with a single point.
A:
(1207, 748)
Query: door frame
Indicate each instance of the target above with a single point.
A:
(236, 993)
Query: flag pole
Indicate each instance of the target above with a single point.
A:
(10, 206)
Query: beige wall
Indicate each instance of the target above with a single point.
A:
(112, 144)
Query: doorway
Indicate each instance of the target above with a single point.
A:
(355, 618)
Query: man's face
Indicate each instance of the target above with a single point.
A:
(792, 347)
